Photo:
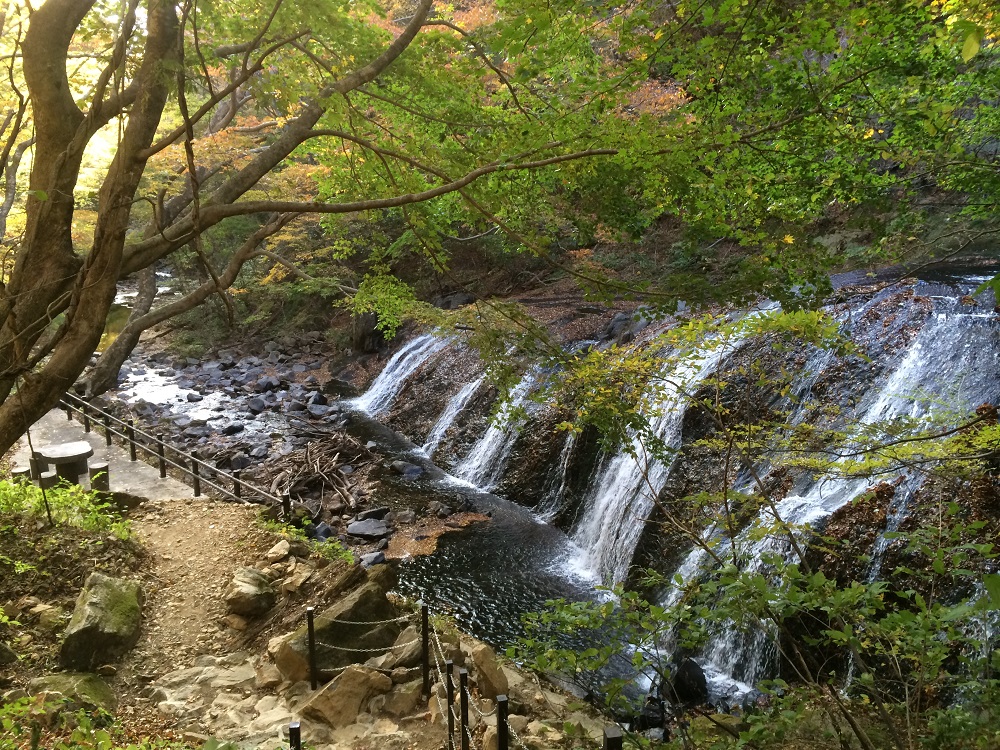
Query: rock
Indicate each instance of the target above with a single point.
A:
(195, 397)
(688, 685)
(49, 617)
(278, 552)
(233, 428)
(250, 593)
(239, 462)
(406, 651)
(267, 383)
(406, 516)
(365, 604)
(318, 410)
(339, 703)
(267, 677)
(297, 579)
(256, 405)
(368, 529)
(7, 655)
(377, 513)
(236, 622)
(406, 469)
(518, 723)
(83, 689)
(373, 558)
(259, 451)
(317, 398)
(490, 738)
(403, 699)
(489, 676)
(105, 622)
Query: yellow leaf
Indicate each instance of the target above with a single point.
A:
(788, 239)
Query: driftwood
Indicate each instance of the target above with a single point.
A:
(313, 475)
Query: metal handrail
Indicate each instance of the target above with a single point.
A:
(83, 408)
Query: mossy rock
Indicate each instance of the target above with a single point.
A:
(82, 689)
(105, 622)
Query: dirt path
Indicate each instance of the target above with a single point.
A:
(194, 546)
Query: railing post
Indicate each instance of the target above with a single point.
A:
(131, 439)
(463, 685)
(426, 653)
(160, 452)
(310, 619)
(237, 485)
(69, 411)
(612, 738)
(86, 416)
(503, 736)
(295, 736)
(449, 685)
(107, 430)
(195, 477)
(286, 505)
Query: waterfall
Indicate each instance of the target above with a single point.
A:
(621, 497)
(555, 486)
(945, 366)
(384, 389)
(452, 409)
(484, 464)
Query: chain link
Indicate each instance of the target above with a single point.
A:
(517, 740)
(372, 622)
(368, 650)
(474, 703)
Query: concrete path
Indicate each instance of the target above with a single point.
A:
(134, 477)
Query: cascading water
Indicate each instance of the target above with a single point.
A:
(555, 486)
(484, 464)
(945, 368)
(384, 389)
(622, 495)
(455, 406)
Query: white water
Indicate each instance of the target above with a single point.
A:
(622, 495)
(555, 486)
(455, 406)
(384, 389)
(484, 464)
(946, 367)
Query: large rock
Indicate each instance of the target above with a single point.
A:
(688, 685)
(370, 528)
(336, 629)
(403, 699)
(339, 703)
(7, 655)
(489, 676)
(82, 689)
(105, 622)
(406, 651)
(250, 593)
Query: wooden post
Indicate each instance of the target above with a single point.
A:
(69, 411)
(160, 452)
(612, 738)
(107, 430)
(463, 699)
(286, 505)
(295, 736)
(130, 432)
(449, 685)
(86, 416)
(99, 477)
(426, 652)
(503, 734)
(237, 485)
(195, 477)
(310, 619)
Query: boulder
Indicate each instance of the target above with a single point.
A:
(250, 593)
(688, 685)
(85, 690)
(378, 514)
(341, 626)
(278, 552)
(105, 622)
(368, 529)
(403, 699)
(7, 655)
(339, 703)
(489, 676)
(406, 651)
(373, 558)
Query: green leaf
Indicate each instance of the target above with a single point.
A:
(992, 583)
(973, 41)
